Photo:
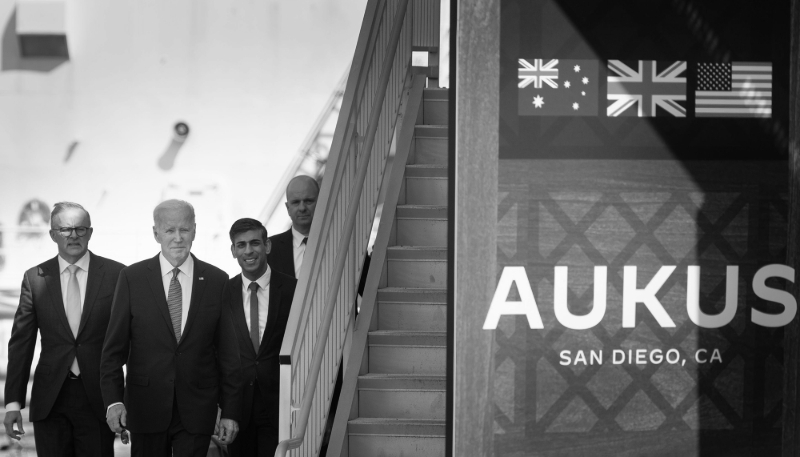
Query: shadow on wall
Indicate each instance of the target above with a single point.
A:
(12, 57)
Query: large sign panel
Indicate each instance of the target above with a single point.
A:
(641, 228)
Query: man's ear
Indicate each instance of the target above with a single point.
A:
(269, 245)
(233, 253)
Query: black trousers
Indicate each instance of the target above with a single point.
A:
(260, 438)
(72, 428)
(175, 441)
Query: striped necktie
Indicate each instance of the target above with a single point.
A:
(174, 300)
(73, 306)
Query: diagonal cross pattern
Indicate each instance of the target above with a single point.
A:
(699, 382)
(175, 303)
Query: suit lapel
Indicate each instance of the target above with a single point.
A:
(274, 306)
(198, 286)
(52, 277)
(93, 282)
(157, 287)
(238, 309)
(288, 250)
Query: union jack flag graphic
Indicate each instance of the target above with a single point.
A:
(538, 73)
(651, 85)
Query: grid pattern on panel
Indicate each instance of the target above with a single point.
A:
(536, 395)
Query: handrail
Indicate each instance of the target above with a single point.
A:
(362, 324)
(321, 309)
(341, 256)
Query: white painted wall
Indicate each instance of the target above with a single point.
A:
(248, 76)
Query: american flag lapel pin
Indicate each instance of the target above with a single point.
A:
(200, 278)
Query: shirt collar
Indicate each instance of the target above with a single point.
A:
(187, 267)
(262, 281)
(83, 263)
(297, 238)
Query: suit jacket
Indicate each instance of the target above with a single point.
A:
(200, 372)
(261, 368)
(281, 255)
(41, 309)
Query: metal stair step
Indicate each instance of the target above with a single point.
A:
(415, 266)
(426, 170)
(417, 317)
(412, 295)
(421, 225)
(430, 144)
(435, 106)
(403, 352)
(397, 427)
(402, 396)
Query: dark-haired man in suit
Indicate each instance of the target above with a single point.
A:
(68, 300)
(169, 325)
(289, 247)
(259, 299)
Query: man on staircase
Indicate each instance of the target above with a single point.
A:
(288, 248)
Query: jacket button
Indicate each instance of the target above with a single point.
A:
(256, 363)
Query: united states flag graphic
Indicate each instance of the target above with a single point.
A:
(738, 89)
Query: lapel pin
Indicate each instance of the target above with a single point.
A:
(200, 278)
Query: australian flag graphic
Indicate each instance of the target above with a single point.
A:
(558, 87)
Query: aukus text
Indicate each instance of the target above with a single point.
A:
(631, 296)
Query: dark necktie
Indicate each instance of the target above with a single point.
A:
(254, 315)
(305, 240)
(174, 300)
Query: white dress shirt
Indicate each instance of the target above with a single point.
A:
(185, 277)
(263, 301)
(83, 276)
(299, 250)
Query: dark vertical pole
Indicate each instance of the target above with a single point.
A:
(791, 340)
(476, 163)
(451, 227)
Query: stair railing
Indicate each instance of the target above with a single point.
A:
(326, 290)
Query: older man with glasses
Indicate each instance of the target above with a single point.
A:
(67, 299)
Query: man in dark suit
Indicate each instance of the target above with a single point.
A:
(259, 299)
(289, 247)
(68, 300)
(169, 325)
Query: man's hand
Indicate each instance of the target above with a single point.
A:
(117, 418)
(228, 429)
(13, 417)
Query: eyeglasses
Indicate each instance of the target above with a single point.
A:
(67, 231)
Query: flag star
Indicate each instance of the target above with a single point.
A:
(577, 68)
(567, 84)
(538, 101)
(585, 80)
(575, 106)
(583, 92)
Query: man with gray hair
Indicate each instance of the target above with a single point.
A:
(169, 326)
(68, 300)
